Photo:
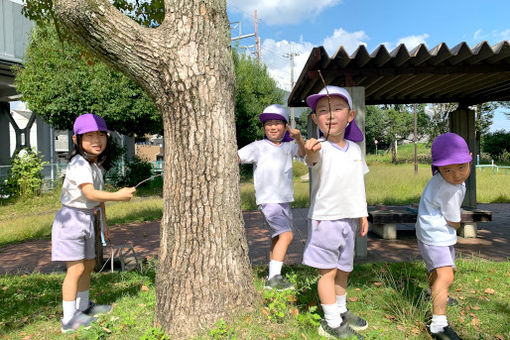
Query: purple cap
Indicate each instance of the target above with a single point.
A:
(276, 112)
(352, 131)
(89, 122)
(333, 91)
(447, 149)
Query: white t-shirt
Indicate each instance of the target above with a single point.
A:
(338, 183)
(80, 171)
(272, 175)
(439, 202)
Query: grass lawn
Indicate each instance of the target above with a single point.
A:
(389, 296)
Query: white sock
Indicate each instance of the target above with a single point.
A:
(341, 302)
(438, 323)
(69, 308)
(82, 300)
(331, 315)
(275, 268)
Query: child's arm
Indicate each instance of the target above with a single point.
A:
(363, 226)
(312, 147)
(296, 135)
(124, 194)
(455, 225)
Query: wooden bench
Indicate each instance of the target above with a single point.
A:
(384, 220)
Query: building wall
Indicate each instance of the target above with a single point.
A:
(148, 152)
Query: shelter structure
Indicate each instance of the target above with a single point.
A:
(462, 75)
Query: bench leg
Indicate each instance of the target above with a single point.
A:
(360, 246)
(387, 231)
(468, 230)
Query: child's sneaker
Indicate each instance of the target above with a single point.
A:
(78, 320)
(279, 283)
(355, 322)
(341, 332)
(447, 334)
(95, 310)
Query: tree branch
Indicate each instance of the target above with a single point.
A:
(113, 37)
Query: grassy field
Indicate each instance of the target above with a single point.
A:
(390, 296)
(386, 184)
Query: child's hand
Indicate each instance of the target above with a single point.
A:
(312, 146)
(294, 133)
(363, 226)
(125, 194)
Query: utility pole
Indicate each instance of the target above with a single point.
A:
(415, 141)
(291, 56)
(237, 24)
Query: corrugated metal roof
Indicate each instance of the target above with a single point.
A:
(439, 75)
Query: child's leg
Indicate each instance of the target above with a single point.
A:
(279, 246)
(75, 270)
(440, 280)
(82, 300)
(341, 290)
(326, 289)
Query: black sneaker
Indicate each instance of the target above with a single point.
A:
(279, 283)
(447, 334)
(341, 332)
(355, 322)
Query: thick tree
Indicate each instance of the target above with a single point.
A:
(185, 65)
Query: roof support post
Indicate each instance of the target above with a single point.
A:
(462, 122)
(5, 153)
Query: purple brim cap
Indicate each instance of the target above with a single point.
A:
(312, 100)
(448, 149)
(270, 116)
(89, 122)
(352, 132)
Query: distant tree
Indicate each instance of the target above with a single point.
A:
(302, 122)
(496, 144)
(60, 81)
(398, 126)
(439, 119)
(374, 127)
(255, 89)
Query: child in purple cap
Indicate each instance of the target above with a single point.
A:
(72, 235)
(439, 217)
(272, 159)
(338, 204)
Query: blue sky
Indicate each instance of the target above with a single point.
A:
(296, 26)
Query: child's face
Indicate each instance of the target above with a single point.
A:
(93, 143)
(455, 173)
(337, 121)
(274, 130)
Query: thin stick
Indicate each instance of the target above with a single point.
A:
(147, 179)
(329, 106)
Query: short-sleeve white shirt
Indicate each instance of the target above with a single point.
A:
(272, 176)
(439, 202)
(338, 183)
(80, 171)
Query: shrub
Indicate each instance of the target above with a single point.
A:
(497, 144)
(135, 171)
(25, 178)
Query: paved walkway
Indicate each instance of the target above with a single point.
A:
(493, 242)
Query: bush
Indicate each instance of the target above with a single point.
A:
(25, 178)
(497, 144)
(136, 170)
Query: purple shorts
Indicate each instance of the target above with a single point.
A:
(437, 256)
(72, 235)
(330, 244)
(278, 217)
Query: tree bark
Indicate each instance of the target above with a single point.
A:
(186, 66)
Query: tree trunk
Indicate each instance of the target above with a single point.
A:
(186, 66)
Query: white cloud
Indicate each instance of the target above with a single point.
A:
(493, 37)
(349, 40)
(281, 12)
(410, 42)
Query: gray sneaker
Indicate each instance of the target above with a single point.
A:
(95, 310)
(341, 332)
(355, 322)
(77, 321)
(278, 282)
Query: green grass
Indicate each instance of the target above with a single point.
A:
(389, 296)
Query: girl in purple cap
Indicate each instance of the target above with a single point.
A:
(72, 235)
(272, 159)
(338, 204)
(439, 217)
